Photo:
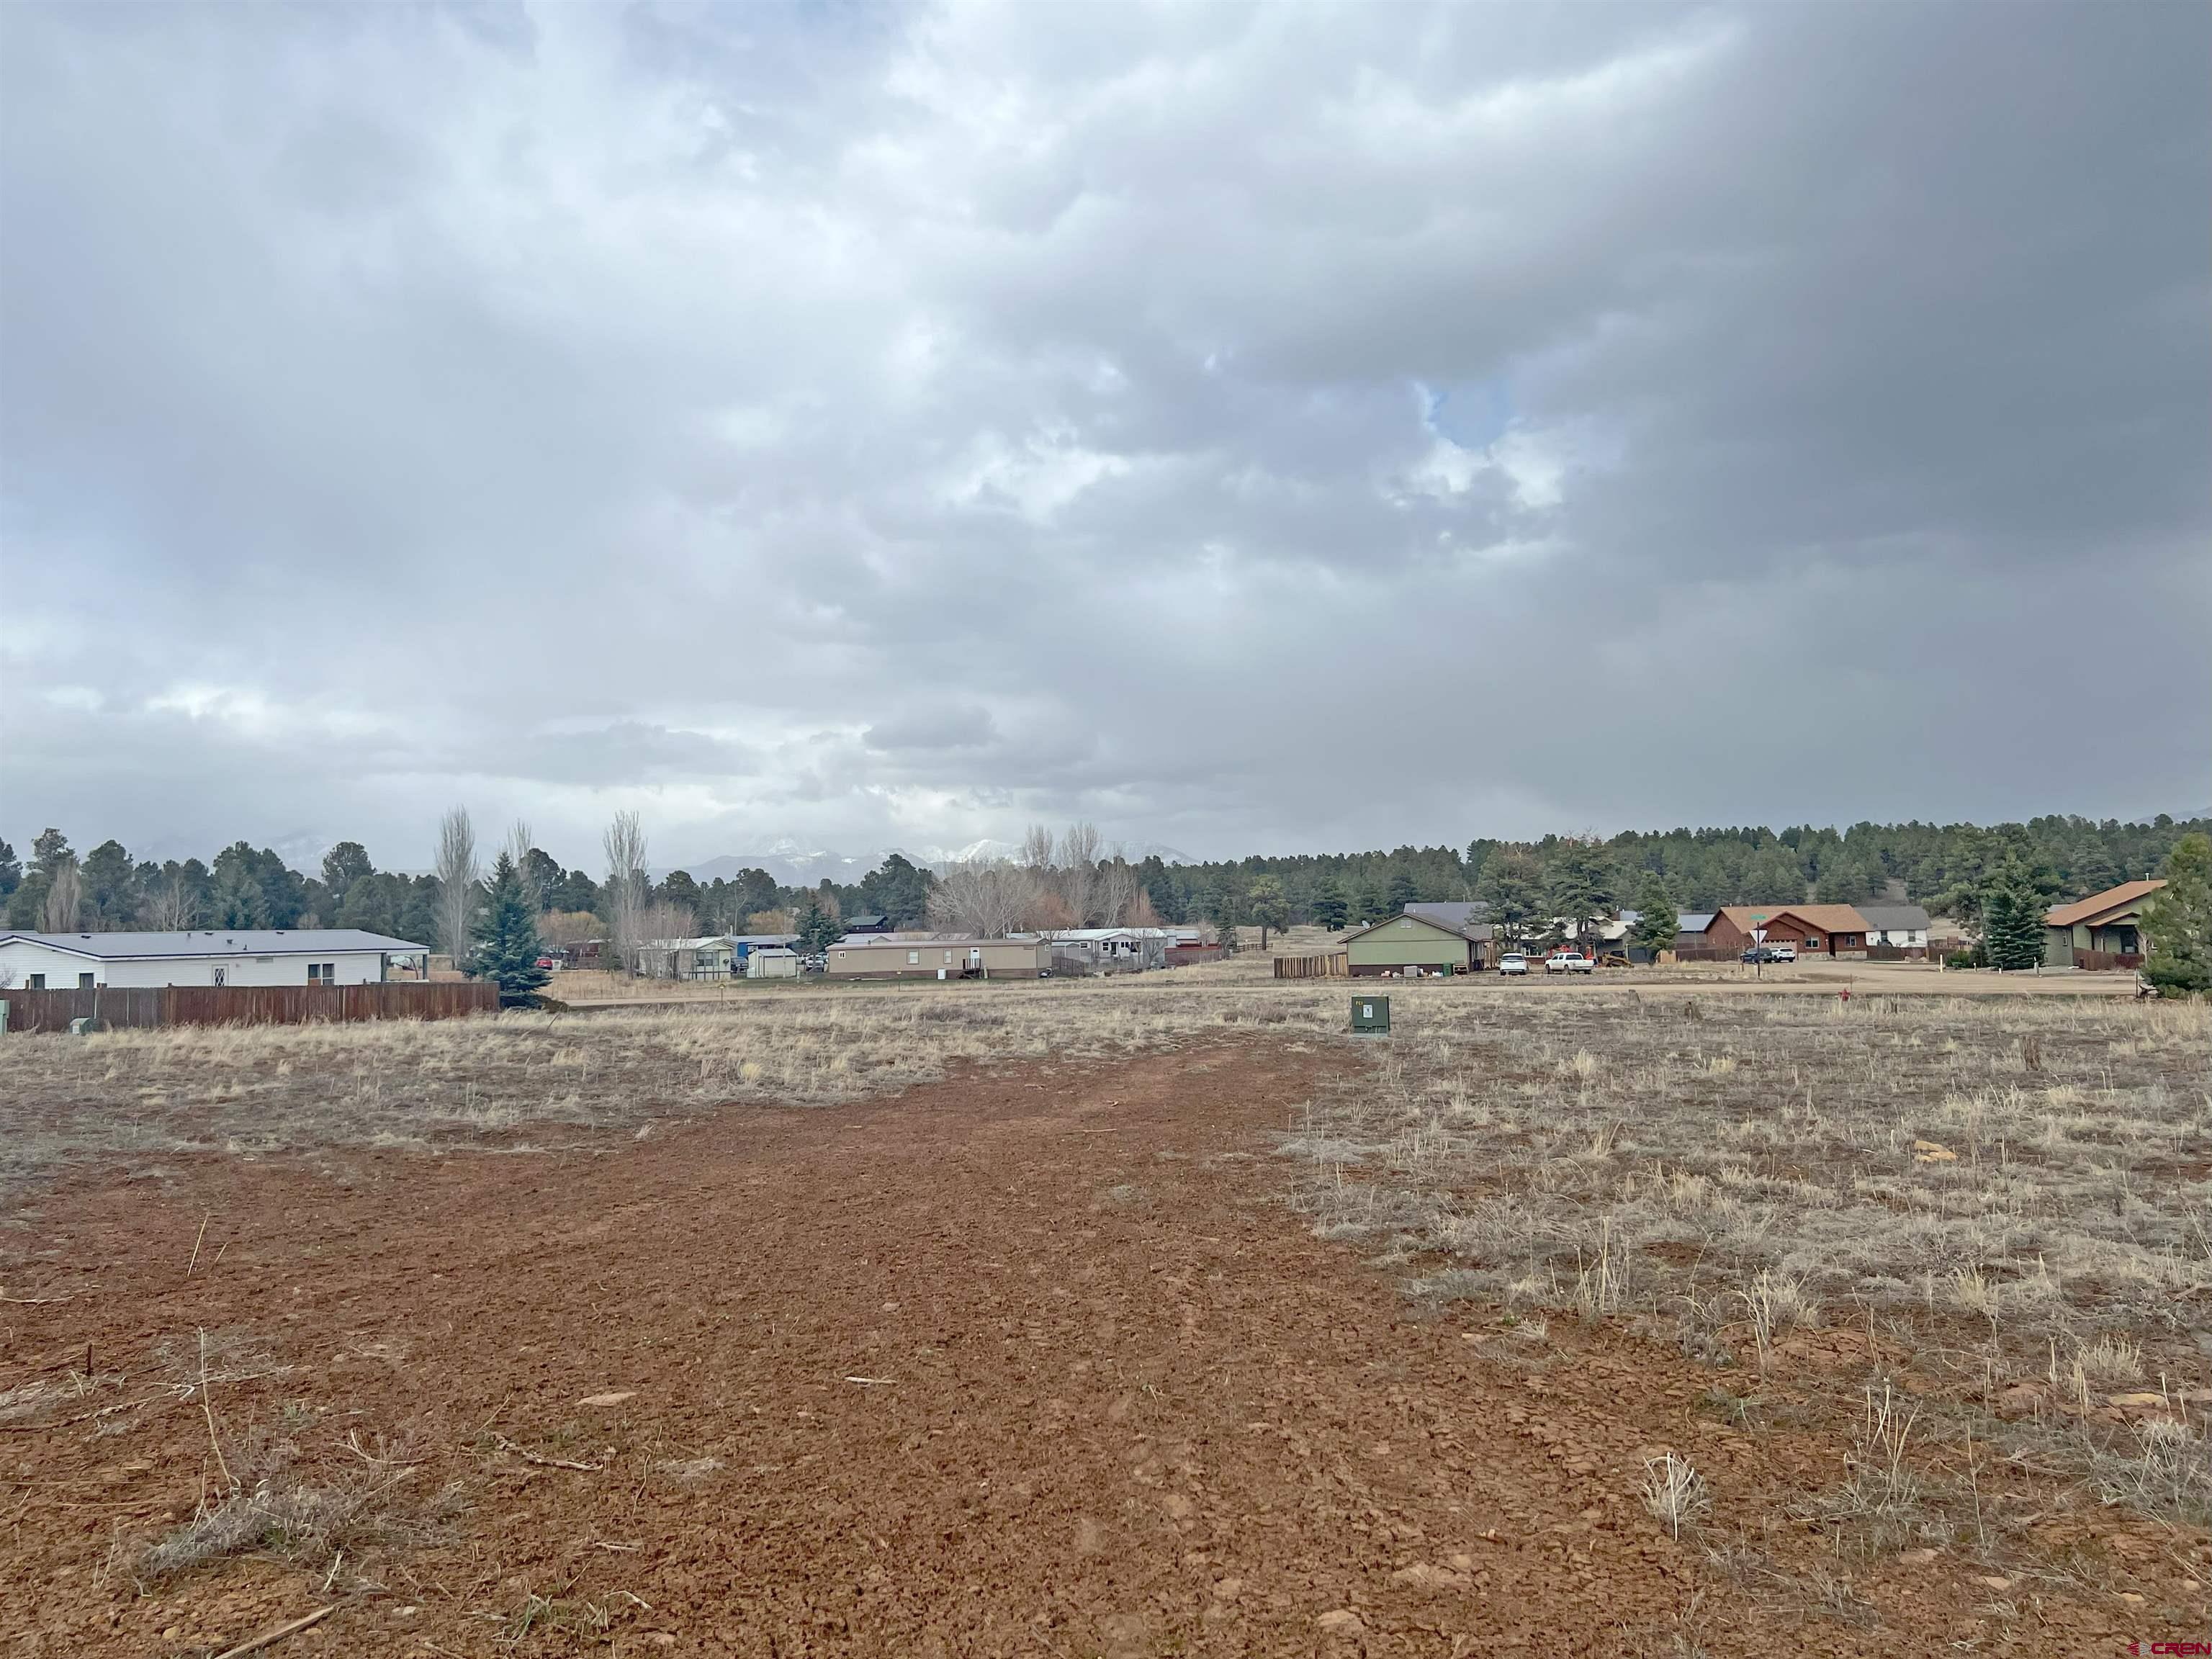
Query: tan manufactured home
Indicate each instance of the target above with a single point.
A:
(892, 956)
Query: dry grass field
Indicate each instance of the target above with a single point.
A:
(2008, 1202)
(1926, 1277)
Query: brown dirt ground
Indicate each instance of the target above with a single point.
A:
(1033, 1361)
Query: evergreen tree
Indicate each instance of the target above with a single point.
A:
(1402, 891)
(1267, 906)
(1224, 911)
(1508, 886)
(1328, 906)
(11, 870)
(238, 900)
(1580, 889)
(817, 929)
(2178, 922)
(898, 888)
(343, 865)
(1657, 922)
(506, 934)
(111, 886)
(2011, 919)
(47, 852)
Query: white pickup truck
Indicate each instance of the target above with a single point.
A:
(1568, 961)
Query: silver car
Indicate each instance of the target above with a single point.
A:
(1513, 963)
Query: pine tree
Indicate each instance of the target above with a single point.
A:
(2178, 922)
(1225, 917)
(2011, 919)
(817, 929)
(506, 933)
(1657, 922)
(1510, 887)
(1402, 891)
(1267, 906)
(1328, 906)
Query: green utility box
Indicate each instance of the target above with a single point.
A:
(1370, 1013)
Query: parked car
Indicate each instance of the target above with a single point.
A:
(1782, 953)
(1568, 961)
(1513, 963)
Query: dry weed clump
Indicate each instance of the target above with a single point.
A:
(1673, 1491)
(270, 1506)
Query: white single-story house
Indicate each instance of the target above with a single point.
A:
(893, 956)
(212, 956)
(1111, 949)
(1896, 926)
(707, 956)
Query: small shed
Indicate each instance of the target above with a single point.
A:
(771, 962)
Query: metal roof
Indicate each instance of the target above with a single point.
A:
(217, 942)
(1696, 922)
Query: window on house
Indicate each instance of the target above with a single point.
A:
(35, 982)
(322, 973)
(914, 958)
(84, 981)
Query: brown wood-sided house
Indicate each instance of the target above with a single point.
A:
(1820, 930)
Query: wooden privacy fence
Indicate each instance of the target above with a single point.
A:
(142, 1006)
(1334, 964)
(2107, 962)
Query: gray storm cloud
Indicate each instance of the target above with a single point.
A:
(1247, 429)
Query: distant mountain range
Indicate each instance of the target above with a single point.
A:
(794, 864)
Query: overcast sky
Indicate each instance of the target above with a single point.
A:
(1249, 429)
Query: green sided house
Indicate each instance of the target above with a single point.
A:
(1401, 944)
(2102, 931)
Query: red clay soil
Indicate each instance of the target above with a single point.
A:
(1030, 1362)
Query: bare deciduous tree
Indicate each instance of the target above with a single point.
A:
(1037, 849)
(170, 905)
(65, 897)
(517, 847)
(661, 921)
(627, 888)
(456, 876)
(1118, 888)
(983, 898)
(1077, 877)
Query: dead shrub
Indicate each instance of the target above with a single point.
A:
(274, 1508)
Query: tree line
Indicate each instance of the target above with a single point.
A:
(1996, 880)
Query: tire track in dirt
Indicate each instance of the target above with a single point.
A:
(1033, 1361)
